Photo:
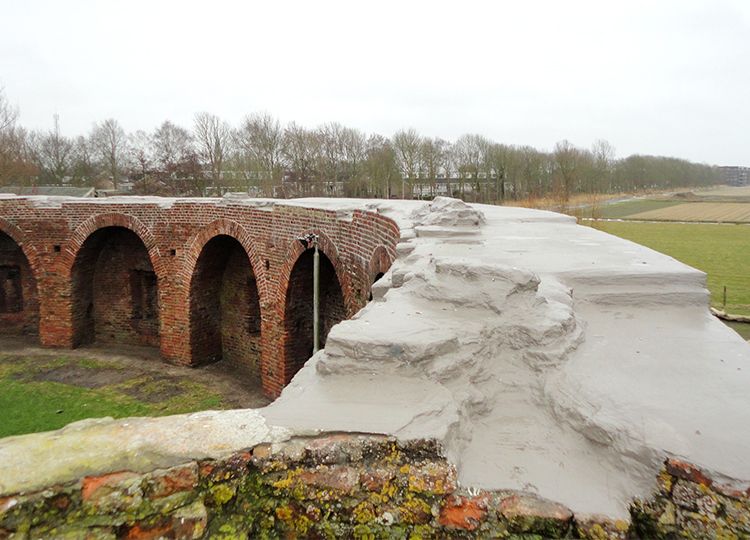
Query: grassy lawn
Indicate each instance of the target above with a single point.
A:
(722, 251)
(40, 393)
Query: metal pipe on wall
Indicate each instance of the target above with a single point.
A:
(316, 296)
(307, 241)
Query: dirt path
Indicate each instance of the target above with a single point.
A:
(116, 364)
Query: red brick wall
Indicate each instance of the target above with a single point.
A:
(241, 318)
(205, 301)
(172, 238)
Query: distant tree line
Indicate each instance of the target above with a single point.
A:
(265, 158)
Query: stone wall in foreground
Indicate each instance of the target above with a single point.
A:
(349, 486)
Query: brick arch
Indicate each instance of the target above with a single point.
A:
(20, 315)
(244, 347)
(101, 221)
(328, 248)
(207, 233)
(83, 328)
(28, 249)
(293, 358)
(380, 262)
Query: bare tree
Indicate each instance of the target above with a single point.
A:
(139, 154)
(407, 144)
(8, 113)
(603, 155)
(470, 153)
(342, 151)
(332, 155)
(16, 165)
(83, 167)
(213, 138)
(301, 150)
(434, 159)
(16, 158)
(170, 146)
(572, 166)
(534, 172)
(261, 138)
(53, 154)
(354, 150)
(498, 162)
(109, 142)
(381, 167)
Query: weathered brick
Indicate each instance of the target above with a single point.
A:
(112, 493)
(376, 479)
(98, 486)
(150, 531)
(338, 477)
(529, 514)
(435, 478)
(460, 512)
(687, 471)
(6, 503)
(166, 482)
(595, 527)
(230, 468)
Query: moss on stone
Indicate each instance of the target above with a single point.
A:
(220, 494)
(375, 491)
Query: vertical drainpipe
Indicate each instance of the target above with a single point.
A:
(316, 295)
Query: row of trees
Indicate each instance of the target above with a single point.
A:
(264, 157)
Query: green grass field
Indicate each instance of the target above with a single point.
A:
(722, 251)
(40, 393)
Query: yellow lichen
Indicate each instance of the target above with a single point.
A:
(363, 513)
(421, 532)
(721, 534)
(412, 507)
(301, 525)
(596, 532)
(222, 493)
(394, 456)
(388, 491)
(288, 480)
(284, 513)
(666, 480)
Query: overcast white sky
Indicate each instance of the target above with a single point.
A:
(661, 77)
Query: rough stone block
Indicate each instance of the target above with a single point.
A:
(434, 478)
(529, 514)
(167, 482)
(112, 493)
(465, 513)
